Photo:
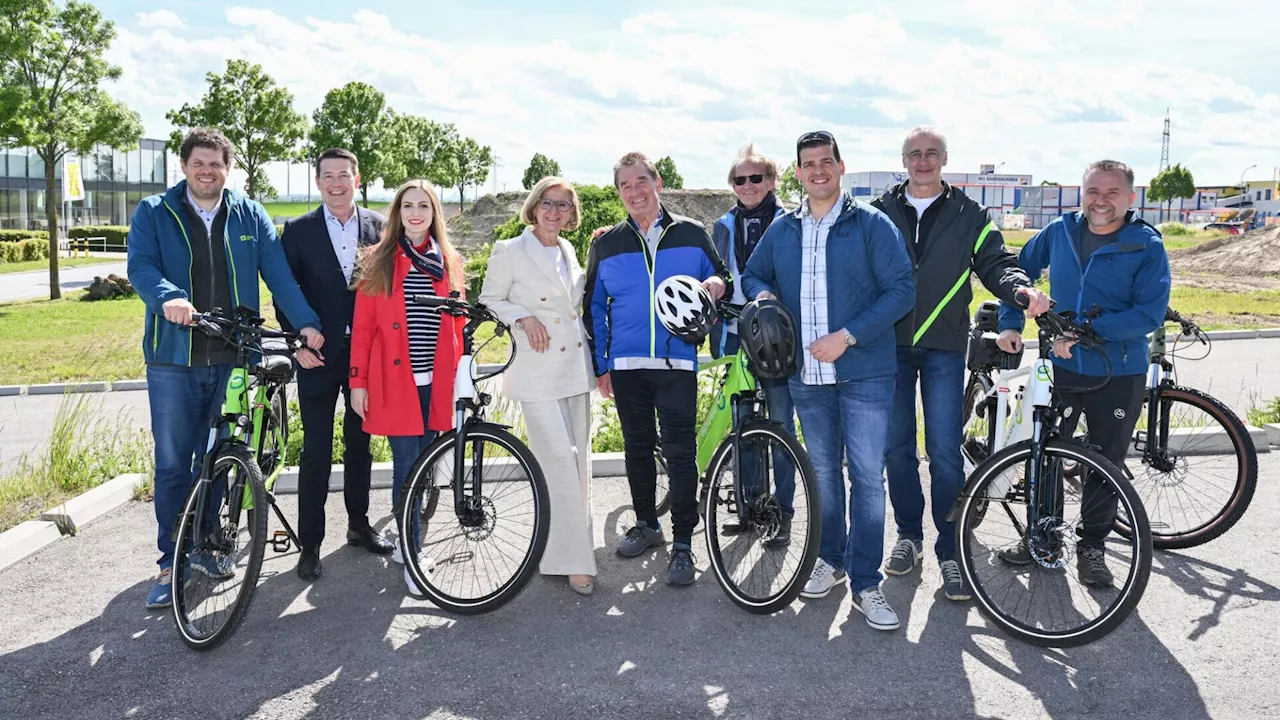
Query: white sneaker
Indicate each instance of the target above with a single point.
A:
(398, 555)
(824, 578)
(872, 603)
(414, 590)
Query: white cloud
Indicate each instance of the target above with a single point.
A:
(1043, 90)
(161, 18)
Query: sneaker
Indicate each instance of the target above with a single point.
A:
(638, 539)
(1016, 555)
(218, 566)
(872, 603)
(1091, 564)
(904, 557)
(824, 578)
(161, 595)
(783, 538)
(680, 570)
(427, 566)
(953, 584)
(398, 555)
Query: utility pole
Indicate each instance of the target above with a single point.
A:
(494, 171)
(1164, 144)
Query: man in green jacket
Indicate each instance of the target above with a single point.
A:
(192, 249)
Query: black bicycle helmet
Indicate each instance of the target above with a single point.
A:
(769, 337)
(685, 308)
(987, 317)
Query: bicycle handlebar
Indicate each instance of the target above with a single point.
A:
(1189, 327)
(233, 331)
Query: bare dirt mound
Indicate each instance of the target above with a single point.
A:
(1254, 254)
(474, 226)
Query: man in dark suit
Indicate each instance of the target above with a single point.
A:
(322, 247)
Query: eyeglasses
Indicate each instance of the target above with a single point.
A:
(561, 205)
(755, 179)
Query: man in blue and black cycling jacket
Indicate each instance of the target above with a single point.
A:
(1107, 263)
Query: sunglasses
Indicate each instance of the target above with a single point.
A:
(755, 179)
(816, 135)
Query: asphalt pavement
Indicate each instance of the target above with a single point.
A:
(76, 641)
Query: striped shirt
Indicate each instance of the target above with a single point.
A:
(813, 290)
(424, 326)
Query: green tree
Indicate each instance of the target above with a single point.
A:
(539, 167)
(356, 117)
(421, 150)
(256, 115)
(789, 187)
(671, 179)
(51, 67)
(1170, 184)
(467, 165)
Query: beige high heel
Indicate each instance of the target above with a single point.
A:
(582, 587)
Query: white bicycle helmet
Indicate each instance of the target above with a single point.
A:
(685, 308)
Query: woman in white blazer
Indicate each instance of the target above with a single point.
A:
(534, 283)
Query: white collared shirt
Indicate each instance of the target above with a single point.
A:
(206, 216)
(813, 290)
(345, 238)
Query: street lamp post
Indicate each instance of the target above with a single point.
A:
(1244, 191)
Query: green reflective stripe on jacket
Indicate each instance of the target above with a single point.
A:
(928, 323)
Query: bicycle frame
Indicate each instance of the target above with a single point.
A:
(737, 385)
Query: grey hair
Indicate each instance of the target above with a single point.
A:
(1110, 166)
(749, 154)
(928, 131)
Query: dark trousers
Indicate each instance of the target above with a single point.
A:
(317, 398)
(1112, 413)
(673, 396)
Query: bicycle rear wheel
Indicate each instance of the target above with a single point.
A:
(1202, 472)
(758, 572)
(218, 548)
(662, 491)
(476, 559)
(1042, 601)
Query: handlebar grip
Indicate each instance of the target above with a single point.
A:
(431, 300)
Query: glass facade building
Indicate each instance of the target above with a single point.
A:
(115, 182)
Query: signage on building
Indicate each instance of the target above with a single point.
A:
(1005, 180)
(72, 182)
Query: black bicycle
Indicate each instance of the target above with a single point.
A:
(479, 552)
(1016, 558)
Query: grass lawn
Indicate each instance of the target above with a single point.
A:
(294, 209)
(44, 264)
(45, 341)
(1015, 239)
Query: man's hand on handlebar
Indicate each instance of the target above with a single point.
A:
(179, 311)
(314, 339)
(1010, 341)
(1035, 302)
(1062, 347)
(309, 359)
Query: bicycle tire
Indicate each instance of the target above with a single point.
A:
(257, 528)
(1135, 581)
(271, 454)
(421, 483)
(807, 477)
(1246, 476)
(662, 485)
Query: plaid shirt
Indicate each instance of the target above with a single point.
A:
(813, 290)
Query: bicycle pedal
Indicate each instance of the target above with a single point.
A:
(280, 541)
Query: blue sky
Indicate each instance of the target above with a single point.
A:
(1043, 87)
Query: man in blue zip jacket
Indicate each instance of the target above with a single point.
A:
(637, 362)
(842, 269)
(195, 248)
(1105, 259)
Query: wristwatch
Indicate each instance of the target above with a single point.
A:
(849, 339)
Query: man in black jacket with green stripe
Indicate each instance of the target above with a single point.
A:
(949, 237)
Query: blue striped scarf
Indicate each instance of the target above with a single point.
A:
(430, 263)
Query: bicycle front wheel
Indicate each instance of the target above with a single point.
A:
(478, 553)
(1199, 473)
(218, 547)
(1037, 596)
(762, 530)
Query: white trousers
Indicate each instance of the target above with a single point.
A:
(560, 438)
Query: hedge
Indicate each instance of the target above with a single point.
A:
(115, 234)
(24, 250)
(15, 235)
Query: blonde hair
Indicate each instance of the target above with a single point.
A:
(529, 211)
(749, 154)
(375, 275)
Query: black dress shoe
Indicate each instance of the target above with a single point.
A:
(371, 541)
(309, 564)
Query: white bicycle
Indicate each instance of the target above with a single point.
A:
(1020, 520)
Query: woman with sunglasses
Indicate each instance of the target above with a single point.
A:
(535, 284)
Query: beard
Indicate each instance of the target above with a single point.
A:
(201, 193)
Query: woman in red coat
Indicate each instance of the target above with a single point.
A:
(403, 355)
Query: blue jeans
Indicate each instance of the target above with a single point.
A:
(941, 374)
(778, 399)
(849, 420)
(184, 402)
(405, 450)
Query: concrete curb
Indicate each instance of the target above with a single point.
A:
(7, 390)
(1273, 433)
(27, 538)
(60, 388)
(84, 509)
(126, 385)
(602, 465)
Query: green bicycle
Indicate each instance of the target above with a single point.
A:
(221, 532)
(756, 480)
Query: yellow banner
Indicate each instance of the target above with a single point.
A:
(72, 183)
